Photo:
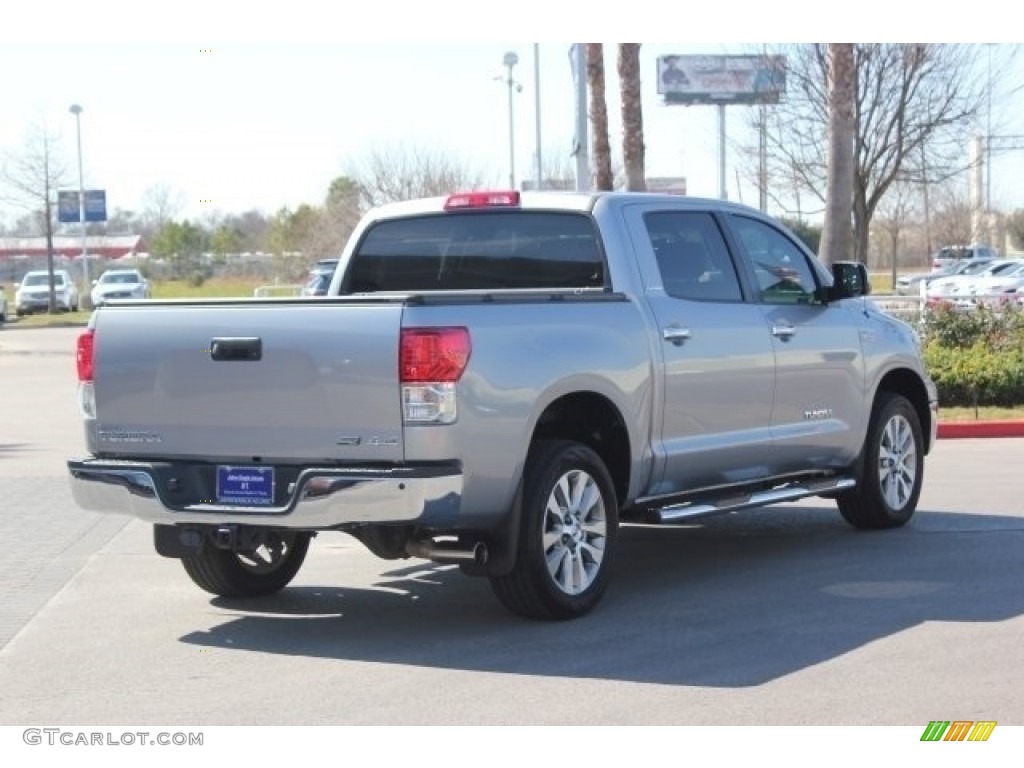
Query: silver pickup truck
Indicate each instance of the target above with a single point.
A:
(497, 380)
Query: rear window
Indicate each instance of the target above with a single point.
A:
(478, 251)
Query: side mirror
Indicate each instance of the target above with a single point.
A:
(850, 279)
(95, 283)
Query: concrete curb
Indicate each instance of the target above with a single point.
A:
(966, 429)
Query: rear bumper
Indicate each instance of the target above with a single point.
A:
(321, 498)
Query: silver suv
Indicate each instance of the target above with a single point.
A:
(950, 254)
(33, 294)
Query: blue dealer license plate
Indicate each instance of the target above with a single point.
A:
(249, 486)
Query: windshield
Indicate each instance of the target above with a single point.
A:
(977, 268)
(43, 279)
(1002, 269)
(120, 277)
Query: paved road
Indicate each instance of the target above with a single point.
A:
(47, 539)
(781, 616)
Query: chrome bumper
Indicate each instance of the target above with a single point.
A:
(322, 497)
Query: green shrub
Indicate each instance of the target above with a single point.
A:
(976, 357)
(996, 327)
(976, 375)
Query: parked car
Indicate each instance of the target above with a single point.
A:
(942, 288)
(951, 254)
(119, 284)
(1006, 286)
(33, 294)
(317, 284)
(320, 278)
(910, 285)
(497, 380)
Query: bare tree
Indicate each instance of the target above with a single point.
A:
(911, 98)
(837, 238)
(31, 180)
(161, 204)
(892, 220)
(632, 117)
(408, 172)
(599, 117)
(951, 213)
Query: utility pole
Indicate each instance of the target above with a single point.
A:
(581, 150)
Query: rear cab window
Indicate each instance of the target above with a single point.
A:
(478, 250)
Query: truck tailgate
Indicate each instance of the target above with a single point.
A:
(236, 381)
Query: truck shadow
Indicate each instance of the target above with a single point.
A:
(733, 602)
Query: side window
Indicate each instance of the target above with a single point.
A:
(692, 256)
(781, 269)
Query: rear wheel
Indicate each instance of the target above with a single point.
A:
(261, 571)
(893, 468)
(567, 537)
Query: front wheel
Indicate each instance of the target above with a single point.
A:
(569, 522)
(258, 572)
(893, 468)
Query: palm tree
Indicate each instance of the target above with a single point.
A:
(837, 239)
(632, 117)
(599, 116)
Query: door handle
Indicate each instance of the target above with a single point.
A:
(676, 334)
(784, 332)
(230, 349)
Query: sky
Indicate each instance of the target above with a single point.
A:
(262, 110)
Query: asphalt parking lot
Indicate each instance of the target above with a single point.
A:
(779, 617)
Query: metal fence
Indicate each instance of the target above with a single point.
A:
(907, 308)
(266, 291)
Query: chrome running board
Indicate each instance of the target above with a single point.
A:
(736, 501)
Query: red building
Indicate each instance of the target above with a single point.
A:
(70, 248)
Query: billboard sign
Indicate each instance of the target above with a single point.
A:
(721, 79)
(95, 206)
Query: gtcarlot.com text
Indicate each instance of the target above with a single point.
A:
(61, 737)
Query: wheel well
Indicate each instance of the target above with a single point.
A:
(591, 419)
(907, 383)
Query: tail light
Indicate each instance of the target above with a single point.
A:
(431, 362)
(83, 356)
(500, 199)
(84, 362)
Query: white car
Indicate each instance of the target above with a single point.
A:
(1007, 286)
(33, 294)
(910, 285)
(943, 288)
(119, 284)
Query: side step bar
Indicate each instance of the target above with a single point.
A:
(736, 502)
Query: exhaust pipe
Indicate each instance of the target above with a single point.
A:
(447, 551)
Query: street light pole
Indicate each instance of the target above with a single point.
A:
(510, 60)
(76, 110)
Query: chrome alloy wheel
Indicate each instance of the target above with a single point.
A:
(897, 462)
(268, 556)
(574, 531)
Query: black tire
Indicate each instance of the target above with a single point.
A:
(566, 549)
(892, 468)
(256, 573)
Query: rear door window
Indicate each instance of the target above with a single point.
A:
(692, 257)
(478, 251)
